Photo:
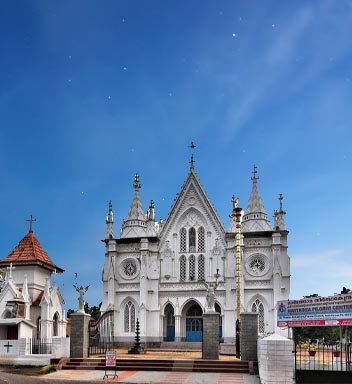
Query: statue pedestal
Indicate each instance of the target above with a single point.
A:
(79, 338)
(210, 346)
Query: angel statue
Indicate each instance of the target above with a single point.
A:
(81, 290)
(210, 298)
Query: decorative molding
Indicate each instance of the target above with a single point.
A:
(264, 251)
(258, 283)
(257, 242)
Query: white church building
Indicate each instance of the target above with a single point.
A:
(30, 306)
(154, 271)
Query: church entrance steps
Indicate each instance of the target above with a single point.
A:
(235, 366)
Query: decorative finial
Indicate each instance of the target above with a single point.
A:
(136, 184)
(151, 211)
(30, 223)
(192, 162)
(110, 216)
(192, 146)
(109, 224)
(254, 178)
(281, 198)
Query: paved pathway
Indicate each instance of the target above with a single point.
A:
(144, 377)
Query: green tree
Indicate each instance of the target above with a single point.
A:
(94, 311)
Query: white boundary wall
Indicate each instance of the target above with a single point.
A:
(19, 352)
(276, 360)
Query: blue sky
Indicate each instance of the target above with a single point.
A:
(93, 91)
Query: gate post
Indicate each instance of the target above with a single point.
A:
(249, 336)
(210, 345)
(79, 338)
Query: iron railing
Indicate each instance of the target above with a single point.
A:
(323, 357)
(41, 346)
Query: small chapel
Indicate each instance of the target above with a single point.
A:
(30, 306)
(157, 272)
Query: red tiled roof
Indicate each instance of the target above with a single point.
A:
(30, 252)
(39, 298)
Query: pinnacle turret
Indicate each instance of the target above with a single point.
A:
(109, 223)
(255, 218)
(135, 224)
(279, 216)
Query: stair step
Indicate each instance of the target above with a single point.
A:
(162, 365)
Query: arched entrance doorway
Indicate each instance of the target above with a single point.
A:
(170, 323)
(194, 323)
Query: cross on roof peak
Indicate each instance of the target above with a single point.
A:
(254, 178)
(31, 223)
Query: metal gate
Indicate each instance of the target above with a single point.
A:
(323, 363)
(101, 334)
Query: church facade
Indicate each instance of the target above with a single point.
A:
(158, 272)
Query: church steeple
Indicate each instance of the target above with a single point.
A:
(135, 224)
(255, 218)
(109, 223)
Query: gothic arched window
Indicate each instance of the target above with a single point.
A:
(130, 317)
(192, 240)
(192, 267)
(56, 324)
(39, 323)
(183, 234)
(258, 307)
(201, 267)
(201, 240)
(183, 268)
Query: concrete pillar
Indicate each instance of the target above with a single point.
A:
(178, 328)
(210, 346)
(249, 336)
(79, 339)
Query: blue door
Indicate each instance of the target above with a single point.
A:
(194, 329)
(170, 333)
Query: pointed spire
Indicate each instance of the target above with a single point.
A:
(279, 216)
(255, 218)
(135, 224)
(110, 223)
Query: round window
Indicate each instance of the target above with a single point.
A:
(129, 269)
(257, 265)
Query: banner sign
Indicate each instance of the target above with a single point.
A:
(110, 359)
(315, 311)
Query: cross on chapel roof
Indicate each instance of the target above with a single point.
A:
(31, 222)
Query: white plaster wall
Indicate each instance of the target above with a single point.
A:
(276, 360)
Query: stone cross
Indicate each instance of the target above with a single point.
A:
(10, 269)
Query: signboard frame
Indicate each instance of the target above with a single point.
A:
(110, 364)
